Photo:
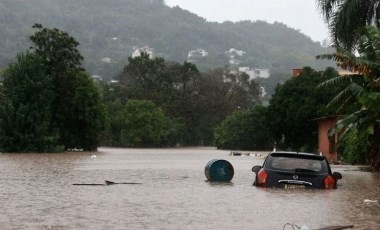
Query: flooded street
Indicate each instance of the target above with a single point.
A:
(36, 192)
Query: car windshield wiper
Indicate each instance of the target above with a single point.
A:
(301, 170)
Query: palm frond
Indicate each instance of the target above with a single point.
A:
(334, 81)
(358, 119)
(359, 65)
(377, 15)
(327, 7)
(356, 89)
(369, 43)
(342, 96)
(351, 93)
(325, 56)
(348, 101)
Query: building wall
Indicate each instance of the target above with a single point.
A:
(254, 73)
(326, 145)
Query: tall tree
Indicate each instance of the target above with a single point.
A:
(57, 48)
(25, 115)
(84, 115)
(172, 86)
(144, 78)
(199, 101)
(221, 93)
(344, 17)
(62, 59)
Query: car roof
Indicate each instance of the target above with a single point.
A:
(297, 155)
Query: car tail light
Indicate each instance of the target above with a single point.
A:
(329, 182)
(262, 178)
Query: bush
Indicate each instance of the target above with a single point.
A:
(245, 130)
(139, 123)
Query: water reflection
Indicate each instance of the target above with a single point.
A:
(36, 192)
(220, 184)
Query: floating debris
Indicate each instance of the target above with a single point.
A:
(236, 153)
(107, 182)
(336, 227)
(304, 227)
(370, 201)
(75, 150)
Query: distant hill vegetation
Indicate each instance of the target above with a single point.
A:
(109, 31)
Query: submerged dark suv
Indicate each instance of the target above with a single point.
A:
(295, 170)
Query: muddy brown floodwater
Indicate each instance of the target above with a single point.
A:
(36, 192)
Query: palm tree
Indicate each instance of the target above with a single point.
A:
(344, 17)
(360, 100)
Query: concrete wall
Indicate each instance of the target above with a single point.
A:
(326, 145)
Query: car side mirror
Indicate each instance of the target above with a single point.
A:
(256, 168)
(337, 176)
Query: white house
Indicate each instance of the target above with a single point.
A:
(96, 78)
(233, 53)
(234, 61)
(255, 73)
(197, 53)
(106, 60)
(146, 49)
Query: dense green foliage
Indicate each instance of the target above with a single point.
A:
(196, 101)
(76, 102)
(245, 130)
(112, 28)
(294, 106)
(138, 123)
(57, 48)
(81, 117)
(354, 27)
(51, 104)
(360, 99)
(25, 115)
(353, 147)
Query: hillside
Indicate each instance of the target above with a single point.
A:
(108, 31)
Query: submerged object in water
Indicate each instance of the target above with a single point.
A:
(219, 171)
(107, 182)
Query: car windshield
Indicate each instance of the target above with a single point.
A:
(295, 164)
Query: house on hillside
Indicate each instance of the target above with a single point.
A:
(96, 78)
(255, 73)
(233, 53)
(197, 53)
(194, 55)
(234, 61)
(106, 60)
(138, 50)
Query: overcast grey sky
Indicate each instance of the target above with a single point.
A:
(302, 15)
